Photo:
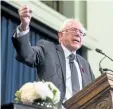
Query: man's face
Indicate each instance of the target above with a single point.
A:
(72, 35)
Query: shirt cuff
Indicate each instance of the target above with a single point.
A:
(19, 33)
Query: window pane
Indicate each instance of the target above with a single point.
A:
(56, 5)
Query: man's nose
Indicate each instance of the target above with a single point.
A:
(77, 33)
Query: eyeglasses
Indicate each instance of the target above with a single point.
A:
(74, 30)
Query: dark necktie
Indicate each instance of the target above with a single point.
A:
(74, 74)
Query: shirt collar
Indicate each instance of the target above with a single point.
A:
(67, 52)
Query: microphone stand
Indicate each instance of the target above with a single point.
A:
(104, 69)
(100, 68)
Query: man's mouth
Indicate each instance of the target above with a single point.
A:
(75, 40)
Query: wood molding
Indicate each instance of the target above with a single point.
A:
(97, 93)
(50, 17)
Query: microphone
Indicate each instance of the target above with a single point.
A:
(100, 51)
(100, 68)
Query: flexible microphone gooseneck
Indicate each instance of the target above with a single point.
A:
(100, 67)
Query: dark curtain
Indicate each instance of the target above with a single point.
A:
(13, 73)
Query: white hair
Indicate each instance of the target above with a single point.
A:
(67, 21)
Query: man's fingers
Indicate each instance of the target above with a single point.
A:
(25, 8)
(25, 15)
(25, 11)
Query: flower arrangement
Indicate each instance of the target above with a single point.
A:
(38, 93)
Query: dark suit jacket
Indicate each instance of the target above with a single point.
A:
(49, 59)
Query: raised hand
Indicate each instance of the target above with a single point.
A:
(25, 17)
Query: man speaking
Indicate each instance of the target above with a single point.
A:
(59, 64)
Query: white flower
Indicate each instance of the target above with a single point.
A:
(43, 90)
(55, 91)
(28, 93)
(38, 90)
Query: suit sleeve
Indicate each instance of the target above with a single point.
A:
(27, 54)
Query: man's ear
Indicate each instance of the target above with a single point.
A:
(59, 36)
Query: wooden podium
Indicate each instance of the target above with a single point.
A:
(97, 95)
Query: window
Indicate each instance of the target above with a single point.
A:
(56, 5)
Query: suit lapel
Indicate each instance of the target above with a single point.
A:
(61, 56)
